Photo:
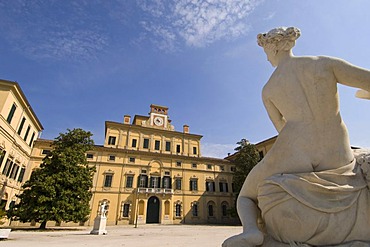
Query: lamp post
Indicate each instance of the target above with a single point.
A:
(137, 206)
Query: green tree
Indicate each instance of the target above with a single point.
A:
(244, 160)
(60, 190)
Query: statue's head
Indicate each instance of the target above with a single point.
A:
(277, 40)
(281, 38)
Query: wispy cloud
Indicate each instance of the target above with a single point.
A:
(35, 30)
(80, 30)
(217, 150)
(197, 23)
(269, 16)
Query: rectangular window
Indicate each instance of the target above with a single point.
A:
(178, 148)
(193, 185)
(157, 145)
(210, 186)
(2, 156)
(132, 160)
(209, 167)
(14, 172)
(45, 152)
(155, 182)
(111, 140)
(126, 210)
(143, 181)
(168, 146)
(27, 132)
(134, 143)
(11, 114)
(112, 158)
(146, 143)
(89, 156)
(194, 150)
(195, 209)
(260, 153)
(222, 168)
(166, 182)
(233, 169)
(178, 163)
(223, 187)
(129, 181)
(7, 167)
(21, 174)
(21, 125)
(108, 180)
(31, 140)
(194, 165)
(178, 183)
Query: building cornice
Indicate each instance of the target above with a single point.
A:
(146, 153)
(14, 86)
(142, 128)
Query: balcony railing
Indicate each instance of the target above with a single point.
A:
(155, 191)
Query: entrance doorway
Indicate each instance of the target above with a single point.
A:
(152, 212)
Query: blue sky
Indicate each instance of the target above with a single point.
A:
(83, 62)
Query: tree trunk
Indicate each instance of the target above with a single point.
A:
(43, 224)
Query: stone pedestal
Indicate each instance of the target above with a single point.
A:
(100, 223)
(4, 233)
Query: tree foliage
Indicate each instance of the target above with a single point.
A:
(245, 159)
(60, 190)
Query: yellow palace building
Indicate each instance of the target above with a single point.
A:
(146, 172)
(19, 128)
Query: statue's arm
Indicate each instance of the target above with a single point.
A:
(276, 117)
(353, 76)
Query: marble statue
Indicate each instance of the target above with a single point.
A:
(100, 221)
(308, 190)
(103, 210)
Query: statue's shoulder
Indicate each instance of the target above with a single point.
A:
(319, 63)
(320, 59)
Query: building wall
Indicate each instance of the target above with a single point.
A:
(19, 128)
(121, 162)
(264, 146)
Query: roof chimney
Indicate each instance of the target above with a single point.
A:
(186, 128)
(127, 119)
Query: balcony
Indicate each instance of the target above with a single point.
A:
(155, 191)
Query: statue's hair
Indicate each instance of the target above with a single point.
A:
(274, 36)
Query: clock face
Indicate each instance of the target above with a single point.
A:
(158, 121)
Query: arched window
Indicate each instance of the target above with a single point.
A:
(224, 208)
(210, 209)
(178, 210)
(194, 209)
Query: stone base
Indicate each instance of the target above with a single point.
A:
(4, 233)
(270, 242)
(99, 226)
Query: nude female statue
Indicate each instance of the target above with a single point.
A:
(302, 102)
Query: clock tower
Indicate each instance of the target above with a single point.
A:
(158, 116)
